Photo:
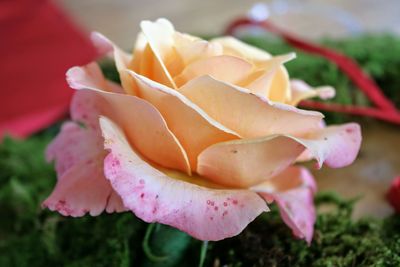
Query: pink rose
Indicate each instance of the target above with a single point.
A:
(201, 136)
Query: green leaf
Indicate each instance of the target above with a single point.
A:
(169, 244)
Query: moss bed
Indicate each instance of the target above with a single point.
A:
(30, 236)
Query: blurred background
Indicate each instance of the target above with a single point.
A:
(37, 33)
(119, 19)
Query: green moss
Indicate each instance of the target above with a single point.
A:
(338, 241)
(32, 237)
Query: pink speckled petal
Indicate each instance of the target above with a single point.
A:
(301, 90)
(245, 113)
(336, 146)
(81, 186)
(194, 129)
(73, 145)
(83, 189)
(140, 120)
(205, 213)
(229, 69)
(122, 59)
(243, 163)
(293, 190)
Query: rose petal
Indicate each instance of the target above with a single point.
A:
(229, 69)
(280, 87)
(245, 113)
(245, 162)
(235, 47)
(271, 80)
(301, 90)
(81, 187)
(207, 214)
(194, 129)
(159, 35)
(294, 199)
(143, 59)
(122, 59)
(336, 146)
(73, 145)
(140, 120)
(191, 48)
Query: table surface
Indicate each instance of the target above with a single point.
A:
(379, 159)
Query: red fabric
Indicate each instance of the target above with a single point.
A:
(385, 109)
(393, 194)
(38, 43)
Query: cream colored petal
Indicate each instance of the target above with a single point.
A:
(224, 68)
(140, 59)
(191, 48)
(301, 91)
(271, 80)
(246, 162)
(122, 59)
(280, 87)
(143, 124)
(235, 47)
(193, 127)
(160, 37)
(245, 113)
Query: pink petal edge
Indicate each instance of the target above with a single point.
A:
(296, 205)
(204, 213)
(81, 186)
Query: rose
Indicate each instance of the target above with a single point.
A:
(201, 136)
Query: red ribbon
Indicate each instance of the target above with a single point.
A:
(384, 110)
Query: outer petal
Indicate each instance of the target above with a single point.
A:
(71, 139)
(249, 161)
(229, 69)
(245, 113)
(301, 90)
(122, 59)
(193, 128)
(204, 213)
(81, 185)
(246, 162)
(336, 146)
(293, 190)
(83, 189)
(140, 120)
